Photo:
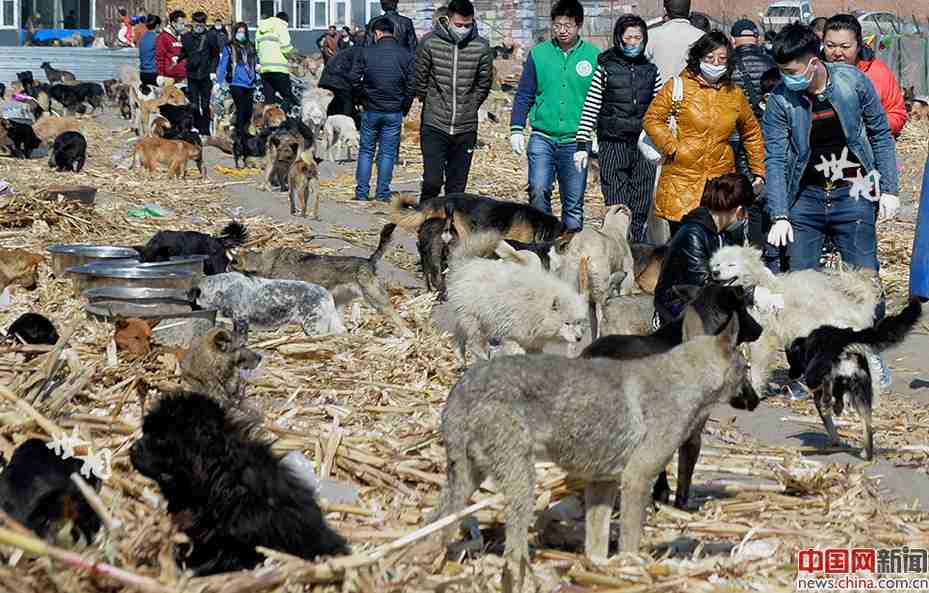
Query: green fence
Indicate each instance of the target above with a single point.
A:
(908, 57)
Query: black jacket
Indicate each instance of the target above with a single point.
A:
(383, 78)
(335, 76)
(751, 62)
(404, 31)
(629, 90)
(687, 261)
(202, 53)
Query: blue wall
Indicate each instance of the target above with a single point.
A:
(305, 41)
(9, 37)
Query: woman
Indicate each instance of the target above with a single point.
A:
(713, 108)
(237, 69)
(723, 211)
(842, 43)
(623, 86)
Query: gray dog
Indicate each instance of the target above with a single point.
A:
(603, 421)
(267, 304)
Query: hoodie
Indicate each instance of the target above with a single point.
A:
(273, 43)
(166, 47)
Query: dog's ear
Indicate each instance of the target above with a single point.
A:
(152, 323)
(223, 341)
(729, 336)
(120, 322)
(687, 292)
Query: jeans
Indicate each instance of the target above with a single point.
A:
(547, 160)
(200, 90)
(278, 83)
(243, 97)
(446, 159)
(378, 129)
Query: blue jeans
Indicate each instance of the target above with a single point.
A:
(377, 128)
(548, 159)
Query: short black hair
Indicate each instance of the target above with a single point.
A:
(384, 26)
(283, 16)
(176, 14)
(700, 21)
(677, 9)
(628, 21)
(388, 5)
(569, 8)
(706, 45)
(845, 22)
(461, 8)
(152, 21)
(796, 41)
(198, 17)
(770, 79)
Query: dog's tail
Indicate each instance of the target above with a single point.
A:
(616, 221)
(583, 277)
(221, 143)
(523, 257)
(387, 234)
(892, 329)
(409, 216)
(476, 244)
(234, 235)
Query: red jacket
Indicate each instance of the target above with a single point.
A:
(166, 47)
(888, 90)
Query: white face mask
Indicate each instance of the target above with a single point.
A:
(711, 72)
(461, 32)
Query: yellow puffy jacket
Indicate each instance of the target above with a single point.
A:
(273, 44)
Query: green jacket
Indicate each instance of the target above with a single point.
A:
(273, 44)
(552, 89)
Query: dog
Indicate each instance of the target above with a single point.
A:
(32, 328)
(56, 75)
(147, 107)
(283, 149)
(836, 362)
(36, 490)
(18, 267)
(73, 96)
(346, 277)
(151, 151)
(159, 126)
(68, 152)
(434, 252)
(648, 260)
(134, 335)
(246, 146)
(181, 117)
(470, 212)
(267, 304)
(601, 421)
(268, 116)
(167, 244)
(342, 139)
(303, 183)
(49, 127)
(124, 101)
(22, 137)
(920, 109)
(110, 87)
(225, 489)
(216, 365)
(708, 311)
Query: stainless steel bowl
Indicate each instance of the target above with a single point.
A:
(72, 255)
(101, 275)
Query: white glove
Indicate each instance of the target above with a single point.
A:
(888, 206)
(767, 300)
(518, 142)
(781, 233)
(213, 76)
(580, 160)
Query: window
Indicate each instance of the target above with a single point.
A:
(320, 14)
(248, 12)
(309, 14)
(341, 13)
(8, 14)
(374, 9)
(302, 14)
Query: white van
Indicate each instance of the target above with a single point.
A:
(784, 12)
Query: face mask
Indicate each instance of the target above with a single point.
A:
(711, 72)
(199, 29)
(218, 27)
(631, 51)
(798, 82)
(461, 32)
(240, 37)
(735, 227)
(179, 26)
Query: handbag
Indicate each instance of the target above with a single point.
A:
(646, 146)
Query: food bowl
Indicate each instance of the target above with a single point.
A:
(72, 255)
(84, 194)
(98, 275)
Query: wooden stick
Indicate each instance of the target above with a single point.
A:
(47, 425)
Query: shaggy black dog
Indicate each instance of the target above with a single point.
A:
(68, 152)
(33, 328)
(181, 117)
(73, 96)
(36, 490)
(22, 137)
(225, 489)
(167, 244)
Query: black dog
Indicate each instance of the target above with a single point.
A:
(181, 117)
(834, 363)
(68, 152)
(36, 490)
(22, 137)
(33, 328)
(25, 78)
(167, 244)
(246, 146)
(715, 305)
(55, 75)
(2, 91)
(226, 490)
(73, 96)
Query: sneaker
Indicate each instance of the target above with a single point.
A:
(885, 378)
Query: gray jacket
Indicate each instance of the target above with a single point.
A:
(453, 78)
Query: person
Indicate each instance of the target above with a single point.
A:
(623, 87)
(219, 33)
(700, 21)
(345, 38)
(70, 20)
(440, 12)
(148, 70)
(138, 28)
(358, 37)
(551, 92)
(722, 211)
(671, 40)
(273, 46)
(237, 69)
(843, 43)
(819, 26)
(383, 78)
(168, 48)
(124, 35)
(712, 109)
(404, 31)
(328, 44)
(454, 73)
(826, 133)
(919, 263)
(335, 78)
(200, 51)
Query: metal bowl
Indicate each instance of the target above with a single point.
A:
(97, 275)
(72, 255)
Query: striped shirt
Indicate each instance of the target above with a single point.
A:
(594, 102)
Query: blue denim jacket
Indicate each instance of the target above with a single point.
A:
(787, 123)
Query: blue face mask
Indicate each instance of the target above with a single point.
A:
(798, 82)
(632, 51)
(199, 29)
(240, 37)
(735, 227)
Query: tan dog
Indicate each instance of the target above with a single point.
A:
(283, 149)
(159, 124)
(303, 179)
(920, 109)
(268, 116)
(174, 153)
(50, 127)
(214, 366)
(18, 267)
(134, 335)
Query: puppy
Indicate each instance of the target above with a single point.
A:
(152, 151)
(303, 180)
(36, 490)
(147, 107)
(226, 490)
(134, 335)
(283, 148)
(50, 127)
(18, 267)
(32, 328)
(347, 278)
(22, 137)
(267, 304)
(56, 75)
(123, 99)
(167, 244)
(215, 365)
(68, 152)
(110, 87)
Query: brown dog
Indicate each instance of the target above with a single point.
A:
(134, 335)
(18, 267)
(159, 124)
(214, 363)
(173, 153)
(920, 110)
(303, 179)
(50, 127)
(283, 149)
(268, 116)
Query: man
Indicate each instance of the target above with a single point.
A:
(328, 44)
(202, 54)
(272, 42)
(404, 31)
(168, 48)
(336, 78)
(669, 43)
(219, 34)
(383, 79)
(454, 73)
(345, 38)
(148, 71)
(821, 182)
(71, 20)
(551, 92)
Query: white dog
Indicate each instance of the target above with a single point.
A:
(341, 138)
